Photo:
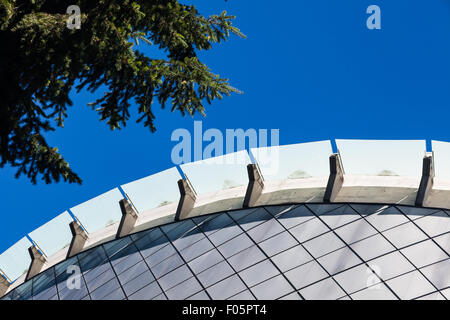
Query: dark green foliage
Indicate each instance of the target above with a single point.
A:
(41, 61)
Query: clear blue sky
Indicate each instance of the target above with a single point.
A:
(309, 68)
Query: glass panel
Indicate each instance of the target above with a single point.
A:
(424, 253)
(309, 230)
(306, 274)
(92, 258)
(154, 191)
(435, 224)
(382, 157)
(184, 236)
(99, 280)
(105, 290)
(161, 255)
(215, 273)
(205, 261)
(197, 249)
(133, 272)
(273, 288)
(225, 234)
(355, 231)
(15, 261)
(410, 285)
(295, 161)
(235, 245)
(432, 296)
(444, 242)
(438, 274)
(46, 294)
(294, 217)
(226, 288)
(265, 230)
(292, 296)
(404, 235)
(321, 208)
(184, 289)
(245, 295)
(199, 296)
(446, 293)
(218, 173)
(291, 258)
(372, 247)
(357, 278)
(377, 292)
(161, 296)
(24, 291)
(324, 244)
(151, 242)
(258, 273)
(73, 294)
(214, 223)
(279, 210)
(441, 154)
(415, 213)
(167, 265)
(339, 216)
(149, 292)
(127, 257)
(54, 235)
(339, 260)
(175, 277)
(324, 290)
(99, 212)
(249, 219)
(138, 283)
(246, 258)
(115, 295)
(367, 209)
(278, 243)
(43, 285)
(386, 219)
(391, 265)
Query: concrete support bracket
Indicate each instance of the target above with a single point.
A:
(336, 178)
(4, 285)
(426, 182)
(37, 262)
(79, 238)
(255, 185)
(128, 220)
(187, 199)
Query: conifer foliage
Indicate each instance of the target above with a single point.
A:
(42, 61)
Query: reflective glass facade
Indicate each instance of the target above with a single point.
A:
(304, 251)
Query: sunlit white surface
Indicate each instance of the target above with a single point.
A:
(100, 211)
(441, 153)
(382, 157)
(54, 235)
(218, 173)
(155, 190)
(15, 261)
(295, 161)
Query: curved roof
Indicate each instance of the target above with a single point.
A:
(371, 171)
(304, 251)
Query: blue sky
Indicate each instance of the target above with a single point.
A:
(308, 68)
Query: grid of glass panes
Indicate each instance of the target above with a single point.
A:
(304, 251)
